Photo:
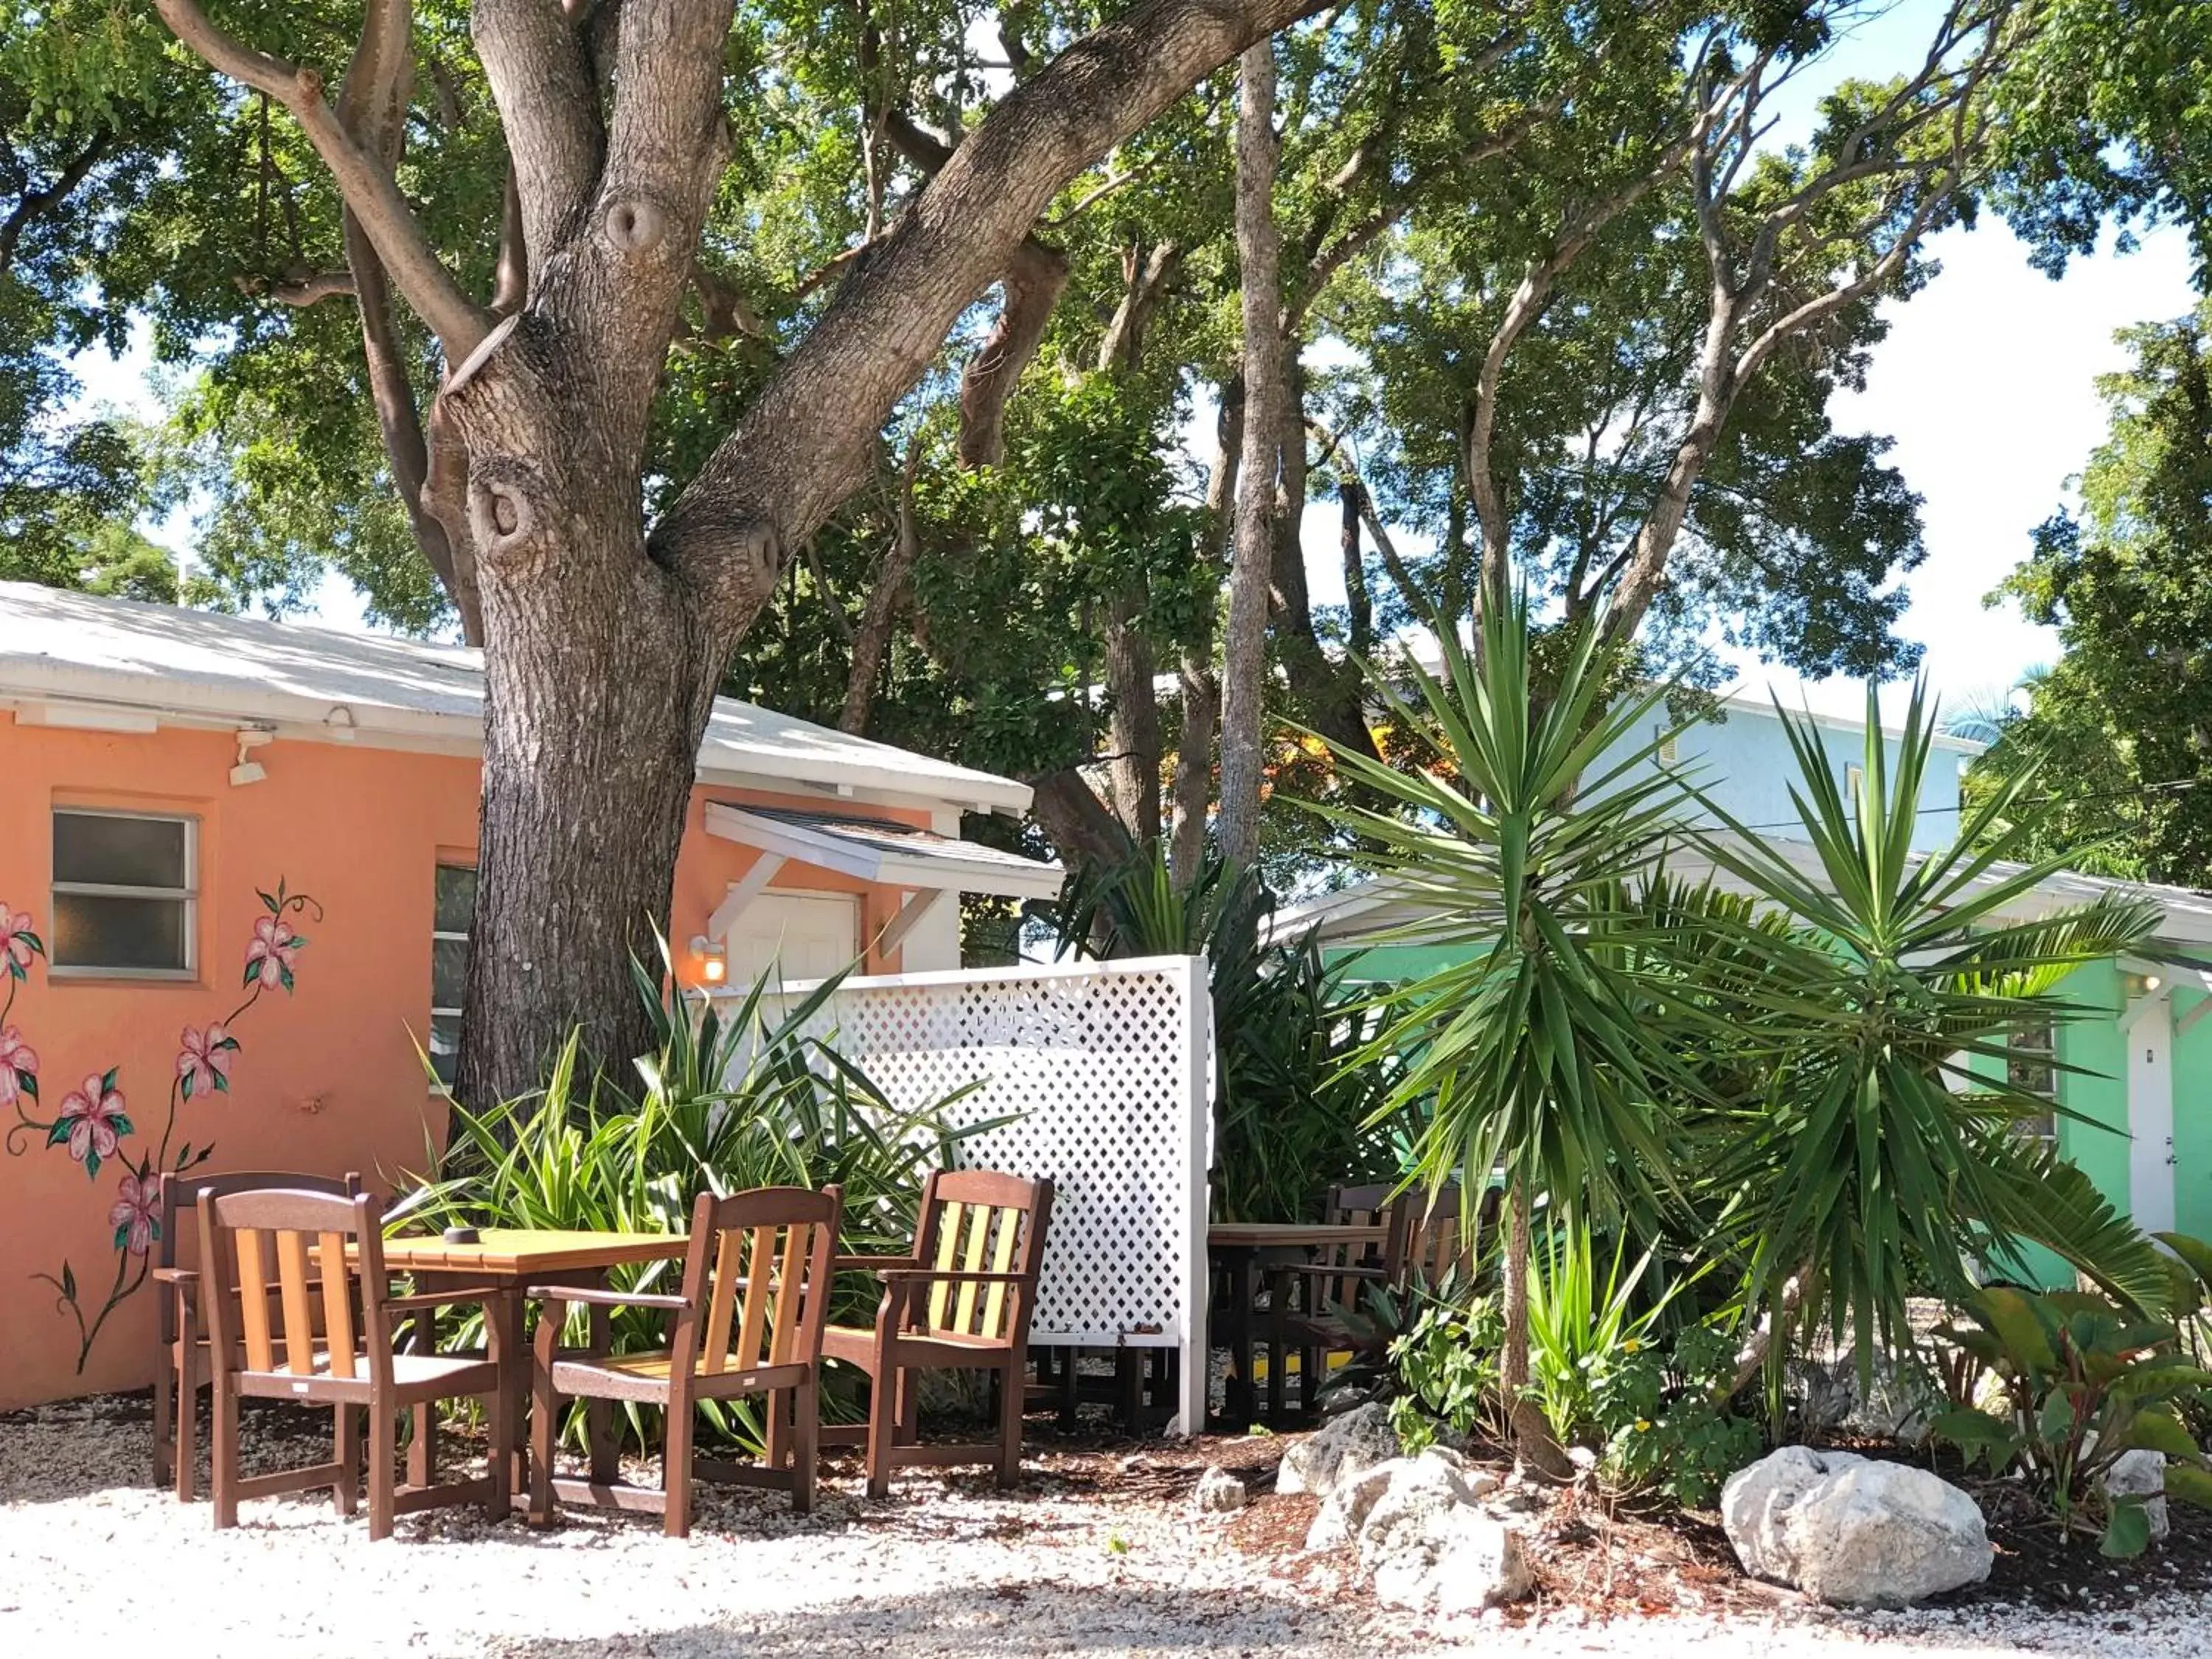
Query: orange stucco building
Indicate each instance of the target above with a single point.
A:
(236, 882)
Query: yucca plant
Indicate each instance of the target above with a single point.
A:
(1530, 814)
(1882, 1151)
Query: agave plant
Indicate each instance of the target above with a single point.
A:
(1537, 1052)
(1882, 1150)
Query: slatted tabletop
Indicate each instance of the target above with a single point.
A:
(517, 1253)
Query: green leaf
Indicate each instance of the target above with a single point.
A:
(2157, 1429)
(2127, 1529)
(2189, 1483)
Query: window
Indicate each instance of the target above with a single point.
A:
(453, 918)
(2033, 1069)
(1854, 782)
(1668, 749)
(123, 898)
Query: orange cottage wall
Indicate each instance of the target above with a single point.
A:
(325, 1077)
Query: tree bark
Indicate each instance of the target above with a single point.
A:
(1133, 722)
(872, 643)
(1266, 393)
(1359, 607)
(1199, 685)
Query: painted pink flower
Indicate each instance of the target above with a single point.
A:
(92, 1121)
(18, 944)
(18, 1067)
(203, 1063)
(134, 1217)
(268, 958)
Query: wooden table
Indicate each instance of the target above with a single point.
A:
(1236, 1248)
(515, 1259)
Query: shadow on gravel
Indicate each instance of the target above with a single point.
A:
(1056, 1619)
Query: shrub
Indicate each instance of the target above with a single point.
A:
(2083, 1383)
(1667, 1427)
(1445, 1367)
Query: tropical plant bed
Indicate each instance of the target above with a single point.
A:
(1611, 1559)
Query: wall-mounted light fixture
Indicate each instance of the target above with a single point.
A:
(714, 960)
(249, 770)
(2142, 985)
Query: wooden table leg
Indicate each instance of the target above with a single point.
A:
(1239, 1402)
(422, 1444)
(599, 1414)
(503, 1330)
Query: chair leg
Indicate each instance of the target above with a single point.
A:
(907, 1394)
(165, 1452)
(226, 1456)
(1009, 1426)
(188, 1404)
(805, 1444)
(345, 1447)
(883, 1428)
(776, 1405)
(676, 1471)
(383, 1455)
(544, 1415)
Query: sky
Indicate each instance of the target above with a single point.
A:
(1986, 382)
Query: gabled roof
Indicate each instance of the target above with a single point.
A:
(73, 658)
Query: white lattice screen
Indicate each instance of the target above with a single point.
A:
(1104, 1068)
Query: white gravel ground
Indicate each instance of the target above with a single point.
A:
(93, 1562)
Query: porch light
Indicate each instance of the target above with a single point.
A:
(2142, 985)
(713, 959)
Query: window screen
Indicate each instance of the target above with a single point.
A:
(124, 893)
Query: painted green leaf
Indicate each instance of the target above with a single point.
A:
(69, 1282)
(27, 1082)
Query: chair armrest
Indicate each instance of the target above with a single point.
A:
(186, 1276)
(843, 1264)
(604, 1298)
(944, 1276)
(1315, 1270)
(442, 1298)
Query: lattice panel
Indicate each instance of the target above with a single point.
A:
(1095, 1068)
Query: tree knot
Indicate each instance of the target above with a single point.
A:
(635, 226)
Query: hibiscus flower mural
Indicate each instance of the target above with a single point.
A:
(93, 1122)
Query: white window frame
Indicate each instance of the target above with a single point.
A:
(2046, 1057)
(188, 895)
(1854, 783)
(447, 936)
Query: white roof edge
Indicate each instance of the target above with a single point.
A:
(926, 864)
(2187, 914)
(201, 666)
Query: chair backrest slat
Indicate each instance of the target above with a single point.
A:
(790, 1295)
(1002, 1260)
(948, 1219)
(768, 1252)
(253, 1300)
(981, 1219)
(729, 1268)
(338, 1302)
(298, 1305)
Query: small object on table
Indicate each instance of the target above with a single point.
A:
(459, 1235)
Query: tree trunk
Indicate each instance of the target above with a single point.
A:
(1200, 685)
(1267, 388)
(597, 690)
(1134, 728)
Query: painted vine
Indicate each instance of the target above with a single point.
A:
(93, 1122)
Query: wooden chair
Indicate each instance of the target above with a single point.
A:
(347, 1364)
(183, 1371)
(1426, 1246)
(962, 1301)
(755, 1296)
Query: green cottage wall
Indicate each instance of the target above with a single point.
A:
(2099, 1092)
(2192, 1118)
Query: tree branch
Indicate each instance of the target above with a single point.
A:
(33, 204)
(368, 188)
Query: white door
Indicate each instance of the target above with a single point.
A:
(2151, 1120)
(801, 935)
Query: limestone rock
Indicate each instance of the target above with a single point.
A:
(1218, 1493)
(1361, 1437)
(2142, 1475)
(1852, 1532)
